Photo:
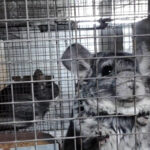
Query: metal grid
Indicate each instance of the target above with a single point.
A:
(34, 35)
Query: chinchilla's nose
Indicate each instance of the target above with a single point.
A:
(133, 85)
(128, 84)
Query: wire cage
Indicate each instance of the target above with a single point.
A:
(42, 88)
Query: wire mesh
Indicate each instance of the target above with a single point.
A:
(38, 95)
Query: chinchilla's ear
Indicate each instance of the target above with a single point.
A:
(38, 75)
(144, 61)
(76, 58)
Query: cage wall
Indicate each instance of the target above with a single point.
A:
(38, 93)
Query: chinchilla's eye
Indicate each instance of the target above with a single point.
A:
(106, 70)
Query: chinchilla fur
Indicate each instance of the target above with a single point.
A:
(111, 110)
(22, 93)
